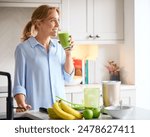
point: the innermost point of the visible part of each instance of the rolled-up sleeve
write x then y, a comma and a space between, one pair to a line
68, 77
20, 63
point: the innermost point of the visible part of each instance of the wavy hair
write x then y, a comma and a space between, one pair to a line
40, 14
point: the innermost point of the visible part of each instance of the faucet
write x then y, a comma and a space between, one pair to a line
9, 99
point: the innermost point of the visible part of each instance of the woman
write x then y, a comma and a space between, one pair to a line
42, 64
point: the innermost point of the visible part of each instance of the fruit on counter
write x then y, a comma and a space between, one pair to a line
52, 114
88, 114
73, 105
62, 114
70, 110
91, 113
96, 112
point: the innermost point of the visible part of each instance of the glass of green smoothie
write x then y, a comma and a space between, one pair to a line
64, 38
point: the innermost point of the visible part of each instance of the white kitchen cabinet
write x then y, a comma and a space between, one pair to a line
93, 20
128, 97
76, 97
69, 97
74, 93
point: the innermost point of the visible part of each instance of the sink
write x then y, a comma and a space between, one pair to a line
18, 118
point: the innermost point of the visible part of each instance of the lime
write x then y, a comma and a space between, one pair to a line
96, 112
88, 114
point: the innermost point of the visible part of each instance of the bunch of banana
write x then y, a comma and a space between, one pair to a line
70, 110
52, 114
64, 111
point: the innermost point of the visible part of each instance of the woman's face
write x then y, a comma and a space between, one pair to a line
50, 26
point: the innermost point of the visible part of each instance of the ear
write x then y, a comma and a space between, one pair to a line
38, 24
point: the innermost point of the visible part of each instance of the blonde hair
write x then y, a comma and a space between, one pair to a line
40, 14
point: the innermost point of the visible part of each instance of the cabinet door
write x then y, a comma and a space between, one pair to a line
78, 98
69, 97
108, 19
93, 20
128, 97
74, 18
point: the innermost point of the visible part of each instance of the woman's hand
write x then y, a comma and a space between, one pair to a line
71, 45
22, 106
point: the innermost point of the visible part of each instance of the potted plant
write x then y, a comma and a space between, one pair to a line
114, 70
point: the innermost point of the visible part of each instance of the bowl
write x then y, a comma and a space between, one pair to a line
118, 112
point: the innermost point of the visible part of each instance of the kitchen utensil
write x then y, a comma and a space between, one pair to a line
111, 93
116, 112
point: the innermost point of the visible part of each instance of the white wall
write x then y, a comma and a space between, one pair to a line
142, 52
127, 51
102, 54
106, 53
12, 22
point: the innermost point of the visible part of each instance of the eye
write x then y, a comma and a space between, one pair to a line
54, 21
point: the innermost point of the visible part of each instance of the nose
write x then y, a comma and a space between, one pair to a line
57, 23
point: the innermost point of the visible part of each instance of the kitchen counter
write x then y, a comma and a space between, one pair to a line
136, 114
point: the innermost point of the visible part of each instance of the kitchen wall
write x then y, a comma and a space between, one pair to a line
101, 54
12, 23
127, 51
142, 52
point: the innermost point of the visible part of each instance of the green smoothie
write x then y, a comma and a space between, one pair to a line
92, 97
64, 39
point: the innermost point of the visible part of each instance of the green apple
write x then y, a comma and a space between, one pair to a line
96, 112
88, 114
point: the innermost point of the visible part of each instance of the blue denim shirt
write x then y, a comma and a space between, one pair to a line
39, 74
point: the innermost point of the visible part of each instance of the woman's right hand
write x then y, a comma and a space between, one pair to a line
22, 106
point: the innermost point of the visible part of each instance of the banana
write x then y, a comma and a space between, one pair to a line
70, 110
62, 114
52, 114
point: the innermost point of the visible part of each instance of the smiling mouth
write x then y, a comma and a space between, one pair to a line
55, 30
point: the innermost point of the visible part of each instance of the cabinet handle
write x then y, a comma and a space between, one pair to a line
90, 36
97, 36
